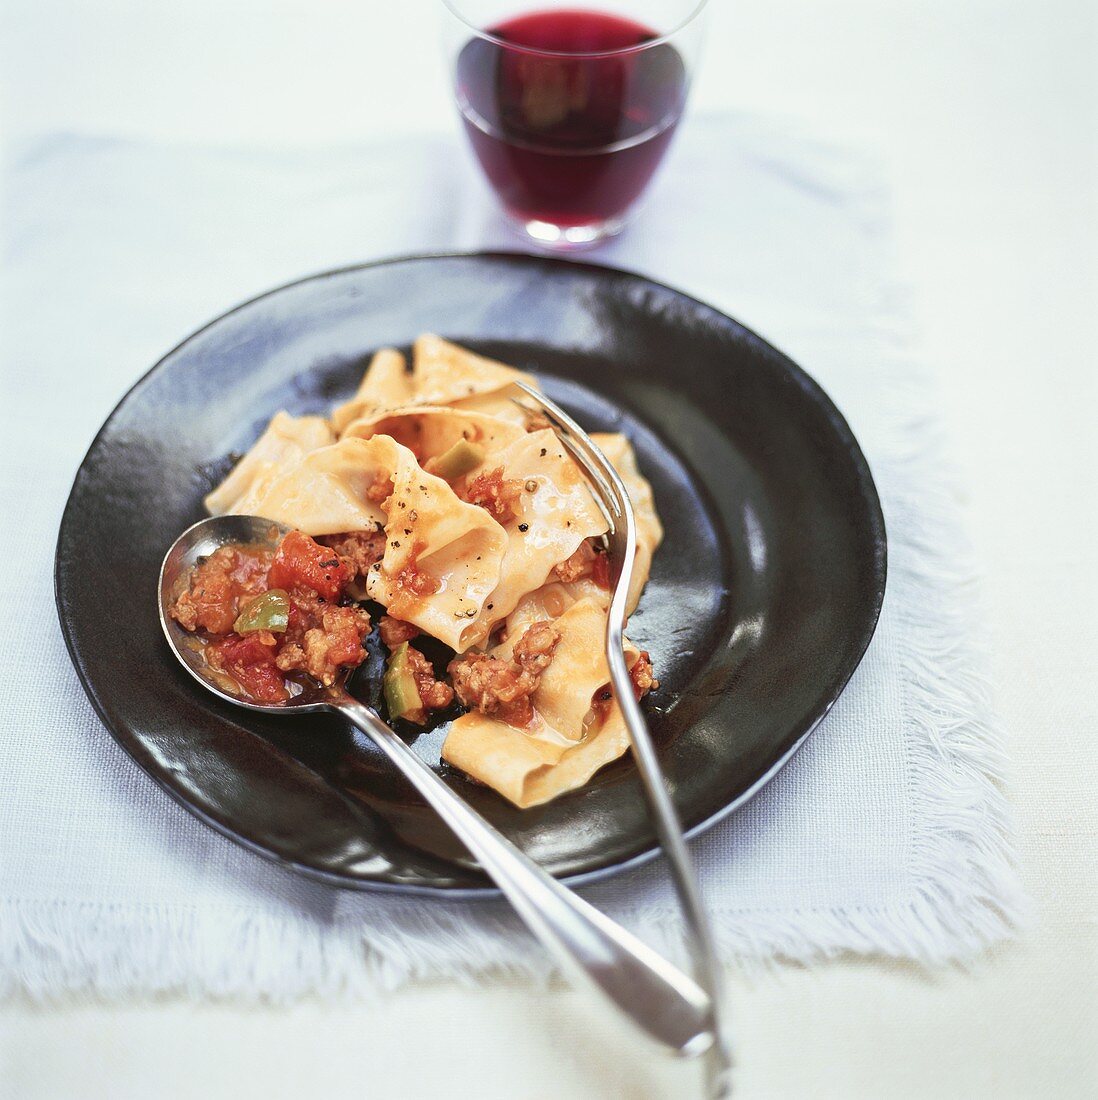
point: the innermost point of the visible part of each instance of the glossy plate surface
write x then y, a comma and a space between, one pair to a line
762, 600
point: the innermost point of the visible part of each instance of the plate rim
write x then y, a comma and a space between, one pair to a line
489, 892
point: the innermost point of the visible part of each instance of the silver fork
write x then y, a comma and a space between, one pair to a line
613, 499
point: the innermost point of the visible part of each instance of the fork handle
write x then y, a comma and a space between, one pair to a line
656, 996
718, 1061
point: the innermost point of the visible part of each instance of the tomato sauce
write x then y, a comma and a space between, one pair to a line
266, 617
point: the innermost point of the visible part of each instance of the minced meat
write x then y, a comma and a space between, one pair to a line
394, 631
433, 694
502, 688
496, 494
357, 549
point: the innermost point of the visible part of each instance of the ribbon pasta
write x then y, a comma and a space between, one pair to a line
473, 555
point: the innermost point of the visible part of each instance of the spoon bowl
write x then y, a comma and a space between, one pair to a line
662, 1001
188, 551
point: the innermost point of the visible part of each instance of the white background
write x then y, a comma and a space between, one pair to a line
986, 111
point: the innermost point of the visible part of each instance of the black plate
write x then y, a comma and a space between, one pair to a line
762, 600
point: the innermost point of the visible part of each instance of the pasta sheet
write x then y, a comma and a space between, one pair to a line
562, 748
451, 567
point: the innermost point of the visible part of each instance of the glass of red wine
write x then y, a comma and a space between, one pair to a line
570, 109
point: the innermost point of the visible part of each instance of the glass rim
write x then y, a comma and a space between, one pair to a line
488, 36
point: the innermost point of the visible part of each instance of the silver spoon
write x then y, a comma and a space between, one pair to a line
661, 1000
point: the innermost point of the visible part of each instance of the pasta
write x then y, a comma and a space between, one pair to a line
286, 440
569, 739
445, 374
429, 430
432, 493
385, 385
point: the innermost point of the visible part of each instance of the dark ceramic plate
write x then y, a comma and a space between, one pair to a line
762, 600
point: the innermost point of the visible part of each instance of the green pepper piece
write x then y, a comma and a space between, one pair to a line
399, 687
462, 457
271, 611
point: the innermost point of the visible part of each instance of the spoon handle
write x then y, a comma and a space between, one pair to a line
660, 999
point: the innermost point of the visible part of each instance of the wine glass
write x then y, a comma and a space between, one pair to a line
571, 110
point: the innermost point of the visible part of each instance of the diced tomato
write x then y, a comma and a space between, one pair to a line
301, 562
250, 660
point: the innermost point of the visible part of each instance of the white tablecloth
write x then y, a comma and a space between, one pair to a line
982, 110
887, 833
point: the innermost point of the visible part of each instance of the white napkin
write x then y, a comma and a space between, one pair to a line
887, 833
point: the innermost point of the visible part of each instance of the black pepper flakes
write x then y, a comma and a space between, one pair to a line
544, 452
524, 527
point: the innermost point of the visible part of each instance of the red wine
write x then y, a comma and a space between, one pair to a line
570, 137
